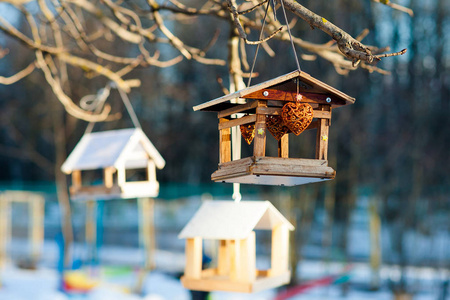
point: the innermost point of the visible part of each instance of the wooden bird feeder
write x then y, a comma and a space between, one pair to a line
290, 103
232, 224
116, 153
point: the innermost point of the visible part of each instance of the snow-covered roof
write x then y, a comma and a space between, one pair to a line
229, 220
113, 148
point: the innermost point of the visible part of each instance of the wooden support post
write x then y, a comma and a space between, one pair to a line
259, 142
76, 179
235, 266
5, 220
151, 171
91, 228
36, 227
280, 250
223, 260
193, 268
322, 135
108, 177
147, 230
146, 239
121, 176
224, 143
283, 146
247, 259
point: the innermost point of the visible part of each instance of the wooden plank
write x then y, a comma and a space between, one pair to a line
300, 171
95, 190
283, 146
237, 122
291, 96
276, 111
224, 143
322, 135
247, 259
237, 109
319, 114
273, 111
280, 250
237, 163
290, 161
271, 282
230, 171
216, 284
259, 142
223, 265
193, 268
219, 283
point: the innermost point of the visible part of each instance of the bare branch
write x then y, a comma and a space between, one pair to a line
19, 75
10, 30
396, 6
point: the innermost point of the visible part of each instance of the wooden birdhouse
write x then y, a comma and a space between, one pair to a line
287, 104
125, 160
233, 225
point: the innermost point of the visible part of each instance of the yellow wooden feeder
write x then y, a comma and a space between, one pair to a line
114, 152
283, 105
232, 224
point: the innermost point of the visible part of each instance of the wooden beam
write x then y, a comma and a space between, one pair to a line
322, 135
247, 259
280, 250
224, 143
237, 122
5, 222
36, 227
235, 266
283, 146
108, 176
223, 259
259, 142
76, 179
147, 230
151, 171
193, 268
278, 95
237, 109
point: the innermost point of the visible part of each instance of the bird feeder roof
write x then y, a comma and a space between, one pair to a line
284, 87
114, 148
228, 220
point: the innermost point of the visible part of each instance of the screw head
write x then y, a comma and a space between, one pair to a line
328, 99
266, 93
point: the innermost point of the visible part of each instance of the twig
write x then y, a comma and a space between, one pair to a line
19, 75
398, 7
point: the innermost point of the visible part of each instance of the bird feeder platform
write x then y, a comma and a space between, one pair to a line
287, 104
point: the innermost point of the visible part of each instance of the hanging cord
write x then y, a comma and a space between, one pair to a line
260, 38
290, 36
257, 47
95, 103
129, 108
